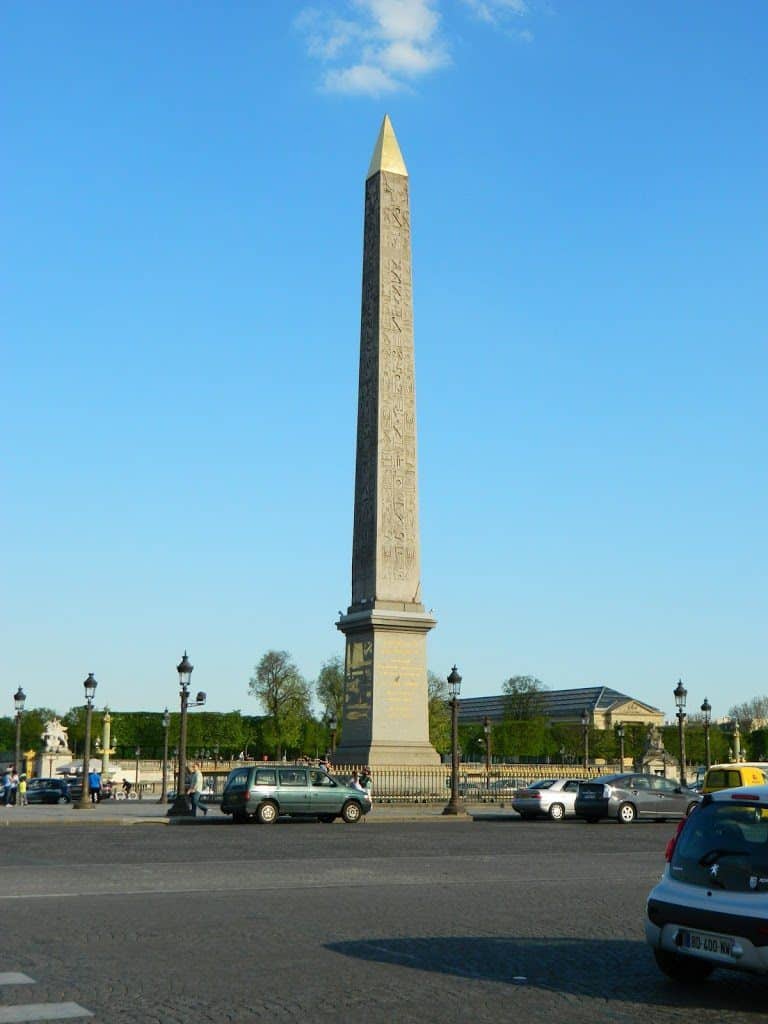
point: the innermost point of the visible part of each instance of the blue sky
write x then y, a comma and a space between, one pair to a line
182, 211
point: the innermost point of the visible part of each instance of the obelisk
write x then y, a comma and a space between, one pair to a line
385, 704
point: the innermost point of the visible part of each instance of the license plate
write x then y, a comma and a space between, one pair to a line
708, 944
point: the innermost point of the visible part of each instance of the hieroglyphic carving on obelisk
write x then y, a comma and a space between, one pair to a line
385, 711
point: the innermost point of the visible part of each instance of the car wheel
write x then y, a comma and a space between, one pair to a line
351, 812
691, 807
62, 800
682, 968
266, 813
239, 817
556, 812
627, 814
326, 818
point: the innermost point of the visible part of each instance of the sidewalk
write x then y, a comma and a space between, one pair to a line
146, 812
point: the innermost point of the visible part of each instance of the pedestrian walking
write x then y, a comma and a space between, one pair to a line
366, 780
195, 791
5, 788
14, 787
94, 786
354, 782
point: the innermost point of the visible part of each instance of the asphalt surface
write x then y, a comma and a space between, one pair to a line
423, 920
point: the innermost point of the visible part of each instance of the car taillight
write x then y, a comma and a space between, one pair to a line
670, 849
247, 795
745, 796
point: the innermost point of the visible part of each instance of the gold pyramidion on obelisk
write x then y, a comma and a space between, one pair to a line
385, 705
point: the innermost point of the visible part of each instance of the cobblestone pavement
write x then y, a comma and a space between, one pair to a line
410, 921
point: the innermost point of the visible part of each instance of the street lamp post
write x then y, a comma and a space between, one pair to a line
89, 686
620, 735
136, 773
680, 697
166, 720
706, 710
487, 733
180, 807
19, 699
585, 731
454, 805
333, 725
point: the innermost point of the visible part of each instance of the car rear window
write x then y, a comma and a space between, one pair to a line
723, 778
541, 784
724, 845
238, 779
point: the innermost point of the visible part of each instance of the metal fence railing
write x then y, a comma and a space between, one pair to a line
411, 784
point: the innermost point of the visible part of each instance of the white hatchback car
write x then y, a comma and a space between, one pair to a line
710, 908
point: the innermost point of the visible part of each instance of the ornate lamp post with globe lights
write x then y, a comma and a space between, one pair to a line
487, 734
89, 686
166, 720
454, 805
620, 737
680, 698
180, 807
19, 699
706, 710
585, 731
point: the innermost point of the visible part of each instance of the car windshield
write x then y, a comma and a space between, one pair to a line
724, 845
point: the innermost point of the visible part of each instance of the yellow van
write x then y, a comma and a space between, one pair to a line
730, 776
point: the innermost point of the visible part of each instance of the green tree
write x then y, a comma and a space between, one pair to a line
329, 687
439, 713
523, 698
284, 694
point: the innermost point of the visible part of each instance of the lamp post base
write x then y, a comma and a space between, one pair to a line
455, 807
179, 809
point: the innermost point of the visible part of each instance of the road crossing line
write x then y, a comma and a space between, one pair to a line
28, 1012
25, 1013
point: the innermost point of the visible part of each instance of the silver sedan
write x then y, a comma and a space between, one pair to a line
551, 798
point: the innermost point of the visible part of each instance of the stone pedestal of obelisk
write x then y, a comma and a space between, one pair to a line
385, 705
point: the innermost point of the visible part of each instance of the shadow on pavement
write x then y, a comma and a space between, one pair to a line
611, 969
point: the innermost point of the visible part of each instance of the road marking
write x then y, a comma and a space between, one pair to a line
42, 1011
362, 883
15, 978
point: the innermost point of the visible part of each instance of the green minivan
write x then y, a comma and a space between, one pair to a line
266, 792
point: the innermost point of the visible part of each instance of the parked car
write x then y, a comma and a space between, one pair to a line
552, 798
710, 907
266, 793
733, 775
477, 788
48, 791
630, 796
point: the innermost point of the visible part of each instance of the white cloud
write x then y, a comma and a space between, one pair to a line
379, 46
372, 47
493, 11
362, 78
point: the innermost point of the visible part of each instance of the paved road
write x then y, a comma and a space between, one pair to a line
421, 921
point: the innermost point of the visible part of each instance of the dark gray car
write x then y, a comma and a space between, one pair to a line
633, 795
